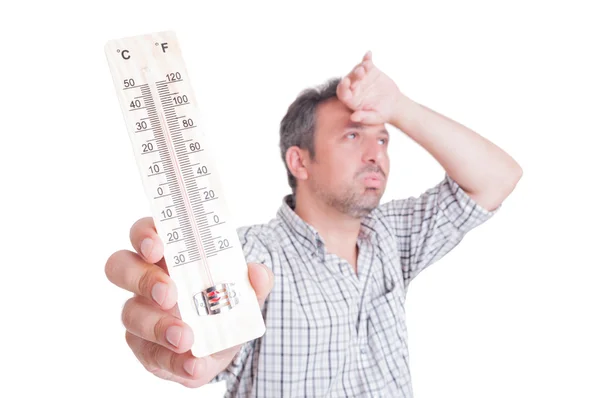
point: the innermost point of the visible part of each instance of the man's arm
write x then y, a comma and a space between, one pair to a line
479, 175
483, 170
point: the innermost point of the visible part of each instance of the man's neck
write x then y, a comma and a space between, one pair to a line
338, 230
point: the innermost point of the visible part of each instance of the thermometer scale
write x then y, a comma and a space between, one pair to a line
180, 177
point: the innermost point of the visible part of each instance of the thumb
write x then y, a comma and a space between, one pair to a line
365, 117
262, 280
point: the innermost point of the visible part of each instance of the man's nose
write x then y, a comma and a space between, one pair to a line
373, 151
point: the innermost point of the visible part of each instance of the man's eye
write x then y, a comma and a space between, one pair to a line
383, 141
351, 135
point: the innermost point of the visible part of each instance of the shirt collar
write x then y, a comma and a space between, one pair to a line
309, 236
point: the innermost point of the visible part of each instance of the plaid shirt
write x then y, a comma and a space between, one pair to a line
330, 331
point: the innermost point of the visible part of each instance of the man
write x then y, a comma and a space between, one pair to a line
332, 269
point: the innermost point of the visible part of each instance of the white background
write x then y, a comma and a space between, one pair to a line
512, 311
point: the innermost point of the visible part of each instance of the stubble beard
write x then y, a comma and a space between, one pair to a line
356, 202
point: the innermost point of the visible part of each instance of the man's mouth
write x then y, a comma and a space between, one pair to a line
373, 180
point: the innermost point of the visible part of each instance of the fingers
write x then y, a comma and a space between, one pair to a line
148, 322
146, 241
353, 77
365, 117
357, 74
183, 368
361, 70
343, 90
358, 116
349, 87
262, 280
367, 61
128, 271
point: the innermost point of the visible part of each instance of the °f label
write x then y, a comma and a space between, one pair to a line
180, 177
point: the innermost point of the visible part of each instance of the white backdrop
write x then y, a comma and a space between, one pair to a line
512, 311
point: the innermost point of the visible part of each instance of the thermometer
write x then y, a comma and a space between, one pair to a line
180, 177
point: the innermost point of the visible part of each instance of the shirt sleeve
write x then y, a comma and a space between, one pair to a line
431, 225
234, 376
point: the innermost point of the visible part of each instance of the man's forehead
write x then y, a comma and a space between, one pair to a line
334, 109
334, 115
350, 125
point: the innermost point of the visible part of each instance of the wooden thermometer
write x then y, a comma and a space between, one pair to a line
181, 180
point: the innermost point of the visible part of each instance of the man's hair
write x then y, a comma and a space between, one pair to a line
297, 128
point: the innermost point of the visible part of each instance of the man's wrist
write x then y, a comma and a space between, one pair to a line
406, 112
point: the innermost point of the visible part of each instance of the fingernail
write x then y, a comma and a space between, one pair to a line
146, 247
173, 335
159, 292
189, 366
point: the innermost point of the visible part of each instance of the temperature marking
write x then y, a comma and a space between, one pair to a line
202, 251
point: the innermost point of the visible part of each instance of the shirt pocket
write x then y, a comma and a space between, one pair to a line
386, 310
386, 326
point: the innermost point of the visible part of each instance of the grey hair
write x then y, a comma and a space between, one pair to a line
297, 128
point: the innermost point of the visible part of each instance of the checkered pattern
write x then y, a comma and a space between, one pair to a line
332, 332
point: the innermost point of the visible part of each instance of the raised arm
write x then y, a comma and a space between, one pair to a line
483, 170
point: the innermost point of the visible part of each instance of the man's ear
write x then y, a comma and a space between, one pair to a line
296, 160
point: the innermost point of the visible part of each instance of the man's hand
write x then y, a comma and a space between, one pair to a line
370, 93
155, 332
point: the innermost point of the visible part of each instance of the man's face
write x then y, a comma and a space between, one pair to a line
351, 163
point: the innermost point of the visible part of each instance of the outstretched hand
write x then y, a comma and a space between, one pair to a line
154, 330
